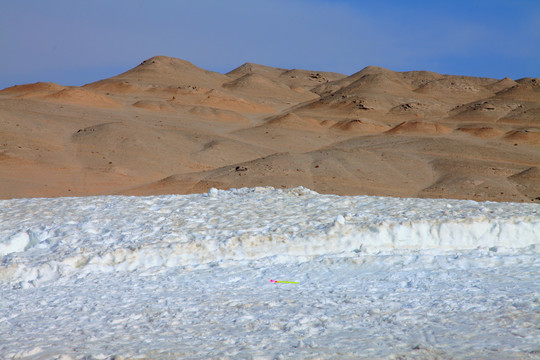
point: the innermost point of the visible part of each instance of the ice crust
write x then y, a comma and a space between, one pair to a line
188, 277
44, 239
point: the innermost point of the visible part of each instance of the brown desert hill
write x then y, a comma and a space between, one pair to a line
83, 97
293, 121
524, 136
255, 85
34, 89
308, 80
522, 116
501, 85
168, 126
373, 92
341, 83
117, 87
417, 79
153, 105
484, 110
381, 94
337, 171
527, 181
62, 94
420, 127
251, 68
224, 100
485, 132
167, 71
526, 89
217, 115
294, 78
456, 89
378, 80
360, 126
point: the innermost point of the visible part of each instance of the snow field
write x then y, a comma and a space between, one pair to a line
43, 239
171, 277
413, 306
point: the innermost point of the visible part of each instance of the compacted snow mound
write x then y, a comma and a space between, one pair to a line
44, 239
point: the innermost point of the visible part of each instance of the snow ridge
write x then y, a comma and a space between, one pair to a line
46, 239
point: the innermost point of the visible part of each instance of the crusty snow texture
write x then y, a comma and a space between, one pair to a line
171, 277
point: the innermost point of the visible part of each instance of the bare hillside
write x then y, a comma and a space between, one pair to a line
168, 126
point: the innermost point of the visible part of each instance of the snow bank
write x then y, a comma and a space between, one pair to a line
44, 239
187, 277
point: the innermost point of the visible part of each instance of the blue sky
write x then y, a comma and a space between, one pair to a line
73, 42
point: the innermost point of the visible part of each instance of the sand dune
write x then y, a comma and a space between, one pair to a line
484, 110
361, 126
168, 126
484, 132
215, 114
527, 182
250, 68
294, 121
218, 99
225, 152
153, 105
525, 136
420, 127
35, 89
255, 85
304, 79
527, 89
457, 89
501, 85
82, 97
114, 86
522, 116
162, 70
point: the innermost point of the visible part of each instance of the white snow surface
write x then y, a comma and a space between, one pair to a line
188, 276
